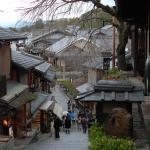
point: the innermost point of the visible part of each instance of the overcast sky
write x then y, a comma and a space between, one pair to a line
10, 16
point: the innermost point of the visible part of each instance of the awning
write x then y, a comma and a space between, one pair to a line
43, 67
48, 105
86, 87
58, 110
50, 75
15, 94
36, 104
20, 99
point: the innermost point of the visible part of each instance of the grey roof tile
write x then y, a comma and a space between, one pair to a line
10, 35
59, 46
85, 87
43, 67
41, 98
50, 75
24, 60
13, 89
119, 91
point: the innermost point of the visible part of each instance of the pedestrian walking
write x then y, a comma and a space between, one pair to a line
57, 125
67, 124
79, 123
63, 121
84, 123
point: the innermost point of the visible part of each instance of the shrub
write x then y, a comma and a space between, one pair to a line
100, 141
114, 74
70, 87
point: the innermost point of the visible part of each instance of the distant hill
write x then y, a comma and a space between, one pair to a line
92, 19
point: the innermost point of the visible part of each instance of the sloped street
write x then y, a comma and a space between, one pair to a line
76, 140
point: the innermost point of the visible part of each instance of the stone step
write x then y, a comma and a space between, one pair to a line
139, 134
141, 145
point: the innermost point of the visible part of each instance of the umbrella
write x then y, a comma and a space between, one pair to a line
65, 113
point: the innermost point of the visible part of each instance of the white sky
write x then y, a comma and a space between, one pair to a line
9, 14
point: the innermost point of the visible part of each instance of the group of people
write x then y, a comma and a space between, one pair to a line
67, 120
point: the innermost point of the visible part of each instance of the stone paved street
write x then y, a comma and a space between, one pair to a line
74, 141
60, 97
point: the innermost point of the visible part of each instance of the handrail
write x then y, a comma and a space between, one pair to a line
144, 122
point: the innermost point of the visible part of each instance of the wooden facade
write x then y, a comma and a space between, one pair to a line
5, 59
109, 94
139, 19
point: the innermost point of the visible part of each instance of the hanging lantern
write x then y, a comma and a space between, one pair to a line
5, 122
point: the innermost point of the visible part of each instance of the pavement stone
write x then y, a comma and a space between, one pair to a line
74, 141
60, 97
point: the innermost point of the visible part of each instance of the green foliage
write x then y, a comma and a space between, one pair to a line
56, 68
38, 24
95, 19
70, 87
85, 22
100, 141
114, 74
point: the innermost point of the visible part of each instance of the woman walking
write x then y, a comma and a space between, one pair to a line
67, 124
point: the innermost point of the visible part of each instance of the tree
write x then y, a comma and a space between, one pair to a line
53, 7
38, 24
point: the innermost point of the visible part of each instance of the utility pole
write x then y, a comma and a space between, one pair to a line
114, 43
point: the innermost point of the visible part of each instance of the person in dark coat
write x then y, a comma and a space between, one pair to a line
57, 125
84, 123
67, 124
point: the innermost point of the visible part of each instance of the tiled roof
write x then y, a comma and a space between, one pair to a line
50, 75
25, 60
41, 98
13, 90
136, 96
62, 44
10, 35
119, 91
48, 104
48, 33
85, 87
43, 67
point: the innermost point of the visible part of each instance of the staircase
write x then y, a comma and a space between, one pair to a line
36, 121
139, 130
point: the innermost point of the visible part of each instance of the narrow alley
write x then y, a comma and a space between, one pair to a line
76, 140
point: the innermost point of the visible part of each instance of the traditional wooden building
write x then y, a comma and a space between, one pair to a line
70, 53
44, 40
12, 93
109, 94
41, 112
33, 71
139, 19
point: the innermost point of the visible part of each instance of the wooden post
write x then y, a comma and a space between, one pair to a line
99, 111
64, 72
114, 47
